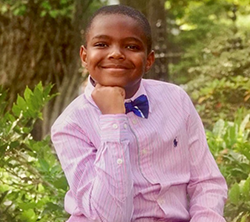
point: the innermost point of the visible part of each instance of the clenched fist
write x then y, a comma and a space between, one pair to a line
109, 99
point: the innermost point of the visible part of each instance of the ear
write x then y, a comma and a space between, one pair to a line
150, 60
83, 56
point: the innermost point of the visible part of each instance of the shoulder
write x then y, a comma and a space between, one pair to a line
74, 112
156, 88
168, 96
171, 99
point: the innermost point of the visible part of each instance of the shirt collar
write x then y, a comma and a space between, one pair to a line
89, 89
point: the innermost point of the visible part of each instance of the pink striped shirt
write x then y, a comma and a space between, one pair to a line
123, 168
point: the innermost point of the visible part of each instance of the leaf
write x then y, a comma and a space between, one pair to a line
14, 144
43, 13
61, 183
3, 193
19, 106
54, 13
219, 127
234, 194
244, 123
51, 207
29, 215
44, 165
2, 150
246, 188
63, 1
46, 5
27, 206
20, 10
38, 95
47, 91
3, 189
28, 94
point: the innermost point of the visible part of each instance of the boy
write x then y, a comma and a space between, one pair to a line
145, 160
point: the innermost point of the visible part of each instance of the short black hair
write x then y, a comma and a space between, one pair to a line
128, 11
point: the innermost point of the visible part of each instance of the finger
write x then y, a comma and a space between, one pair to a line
121, 91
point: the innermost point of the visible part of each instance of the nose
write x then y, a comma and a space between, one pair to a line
116, 53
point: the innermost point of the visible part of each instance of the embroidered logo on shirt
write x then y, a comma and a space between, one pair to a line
175, 142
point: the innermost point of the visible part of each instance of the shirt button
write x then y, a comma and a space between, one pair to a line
144, 151
125, 126
161, 201
119, 161
134, 121
115, 126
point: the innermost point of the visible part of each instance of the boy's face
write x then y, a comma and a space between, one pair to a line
116, 52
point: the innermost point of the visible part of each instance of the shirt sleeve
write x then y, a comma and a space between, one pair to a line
207, 188
100, 178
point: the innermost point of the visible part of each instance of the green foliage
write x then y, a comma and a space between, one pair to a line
32, 184
63, 8
215, 66
230, 144
201, 28
50, 8
221, 84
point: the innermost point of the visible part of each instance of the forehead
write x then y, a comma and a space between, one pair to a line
116, 25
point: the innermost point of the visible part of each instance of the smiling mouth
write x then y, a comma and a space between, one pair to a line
115, 67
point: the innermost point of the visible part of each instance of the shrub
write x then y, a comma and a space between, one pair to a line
32, 184
229, 143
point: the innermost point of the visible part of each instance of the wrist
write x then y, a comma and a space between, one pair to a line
115, 110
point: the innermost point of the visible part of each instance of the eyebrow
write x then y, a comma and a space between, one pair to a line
101, 37
109, 37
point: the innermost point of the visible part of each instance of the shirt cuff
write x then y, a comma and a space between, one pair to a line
114, 127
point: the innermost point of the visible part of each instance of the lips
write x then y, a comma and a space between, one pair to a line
115, 66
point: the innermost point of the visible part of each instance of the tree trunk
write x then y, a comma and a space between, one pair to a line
38, 48
157, 16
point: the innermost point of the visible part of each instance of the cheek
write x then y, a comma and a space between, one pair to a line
141, 61
142, 64
92, 59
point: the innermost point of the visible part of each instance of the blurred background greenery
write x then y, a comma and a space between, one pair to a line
204, 46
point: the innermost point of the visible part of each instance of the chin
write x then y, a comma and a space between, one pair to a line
122, 85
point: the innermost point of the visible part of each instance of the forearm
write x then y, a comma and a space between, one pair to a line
207, 198
112, 189
99, 178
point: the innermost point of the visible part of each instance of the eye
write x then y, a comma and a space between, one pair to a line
101, 45
133, 47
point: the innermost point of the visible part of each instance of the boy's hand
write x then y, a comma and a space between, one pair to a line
109, 99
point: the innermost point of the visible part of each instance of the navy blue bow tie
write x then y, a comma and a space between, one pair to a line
139, 106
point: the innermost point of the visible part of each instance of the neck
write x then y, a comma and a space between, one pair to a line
131, 91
